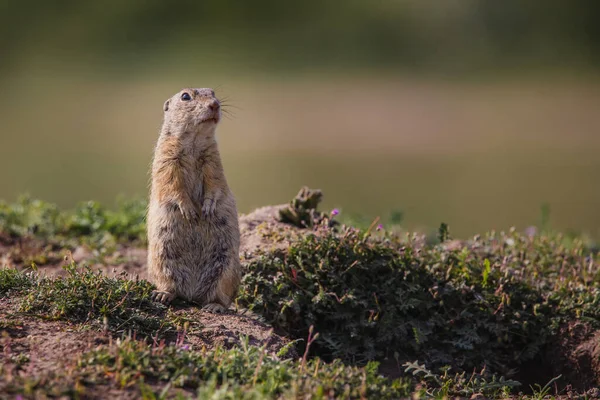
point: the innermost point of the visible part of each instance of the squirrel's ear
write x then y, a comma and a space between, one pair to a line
166, 106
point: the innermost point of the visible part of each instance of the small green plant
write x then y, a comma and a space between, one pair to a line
459, 384
12, 280
302, 210
486, 272
540, 392
443, 232
84, 296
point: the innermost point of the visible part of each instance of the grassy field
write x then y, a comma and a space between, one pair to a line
478, 155
328, 312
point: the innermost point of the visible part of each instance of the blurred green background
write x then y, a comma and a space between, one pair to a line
475, 113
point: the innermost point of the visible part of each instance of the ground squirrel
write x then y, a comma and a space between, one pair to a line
193, 233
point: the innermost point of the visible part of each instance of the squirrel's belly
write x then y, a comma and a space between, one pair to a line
193, 254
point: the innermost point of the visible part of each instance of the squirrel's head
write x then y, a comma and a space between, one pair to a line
191, 109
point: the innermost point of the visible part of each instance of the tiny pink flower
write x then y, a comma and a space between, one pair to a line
379, 227
335, 212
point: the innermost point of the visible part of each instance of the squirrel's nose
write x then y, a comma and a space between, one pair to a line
213, 105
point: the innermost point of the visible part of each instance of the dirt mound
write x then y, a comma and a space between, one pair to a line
575, 354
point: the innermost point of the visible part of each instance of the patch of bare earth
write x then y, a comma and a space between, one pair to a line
38, 349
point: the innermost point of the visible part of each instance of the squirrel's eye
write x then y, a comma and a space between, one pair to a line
186, 97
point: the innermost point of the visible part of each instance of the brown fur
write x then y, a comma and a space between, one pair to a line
193, 232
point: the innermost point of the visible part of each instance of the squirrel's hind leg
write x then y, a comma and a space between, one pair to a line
226, 289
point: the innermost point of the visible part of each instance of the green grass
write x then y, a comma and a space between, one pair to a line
242, 372
86, 297
245, 372
249, 367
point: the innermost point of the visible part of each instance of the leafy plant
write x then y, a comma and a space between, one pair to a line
496, 301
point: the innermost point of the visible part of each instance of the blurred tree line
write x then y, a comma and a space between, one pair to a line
274, 34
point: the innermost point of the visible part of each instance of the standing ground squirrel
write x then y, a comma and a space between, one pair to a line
193, 233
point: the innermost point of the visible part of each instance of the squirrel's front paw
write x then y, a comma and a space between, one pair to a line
209, 207
189, 212
162, 297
